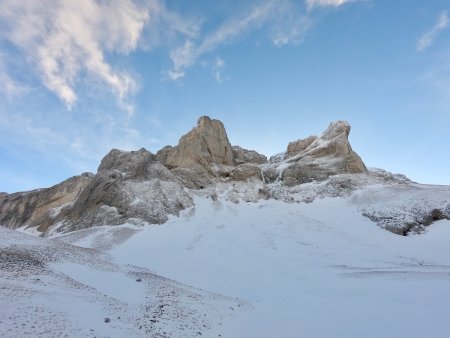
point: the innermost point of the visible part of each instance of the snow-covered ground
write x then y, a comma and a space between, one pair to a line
231, 268
52, 289
316, 269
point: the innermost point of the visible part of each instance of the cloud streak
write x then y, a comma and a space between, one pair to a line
310, 4
217, 69
65, 39
285, 24
428, 38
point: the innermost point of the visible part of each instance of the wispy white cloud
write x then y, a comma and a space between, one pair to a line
285, 24
65, 39
310, 4
289, 25
185, 55
182, 57
165, 26
217, 69
252, 19
428, 38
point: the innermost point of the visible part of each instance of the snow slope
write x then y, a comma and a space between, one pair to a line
316, 269
52, 289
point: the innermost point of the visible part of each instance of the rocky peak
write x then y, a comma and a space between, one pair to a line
336, 129
316, 158
205, 144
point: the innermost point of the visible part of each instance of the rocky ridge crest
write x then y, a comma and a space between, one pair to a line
139, 187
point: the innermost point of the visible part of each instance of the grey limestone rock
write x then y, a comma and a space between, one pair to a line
129, 187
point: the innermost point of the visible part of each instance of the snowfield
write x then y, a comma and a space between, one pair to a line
52, 289
231, 268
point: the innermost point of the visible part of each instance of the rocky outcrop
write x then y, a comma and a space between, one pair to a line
243, 156
37, 207
139, 187
203, 146
316, 158
205, 154
300, 145
130, 187
137, 165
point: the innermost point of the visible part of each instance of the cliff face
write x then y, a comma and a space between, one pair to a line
204, 145
38, 207
139, 187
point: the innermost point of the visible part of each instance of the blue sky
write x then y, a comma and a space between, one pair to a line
79, 78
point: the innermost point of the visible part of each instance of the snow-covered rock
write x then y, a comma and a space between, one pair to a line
316, 158
139, 187
130, 187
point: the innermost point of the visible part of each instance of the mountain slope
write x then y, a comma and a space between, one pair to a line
317, 269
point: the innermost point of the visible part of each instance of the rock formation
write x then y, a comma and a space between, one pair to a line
129, 187
316, 158
37, 207
205, 154
298, 146
204, 145
243, 156
139, 187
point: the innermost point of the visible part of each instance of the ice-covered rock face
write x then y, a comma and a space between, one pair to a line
316, 158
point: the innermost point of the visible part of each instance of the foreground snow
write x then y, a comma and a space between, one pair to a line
53, 289
316, 269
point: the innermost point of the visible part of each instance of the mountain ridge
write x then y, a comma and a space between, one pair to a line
139, 187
